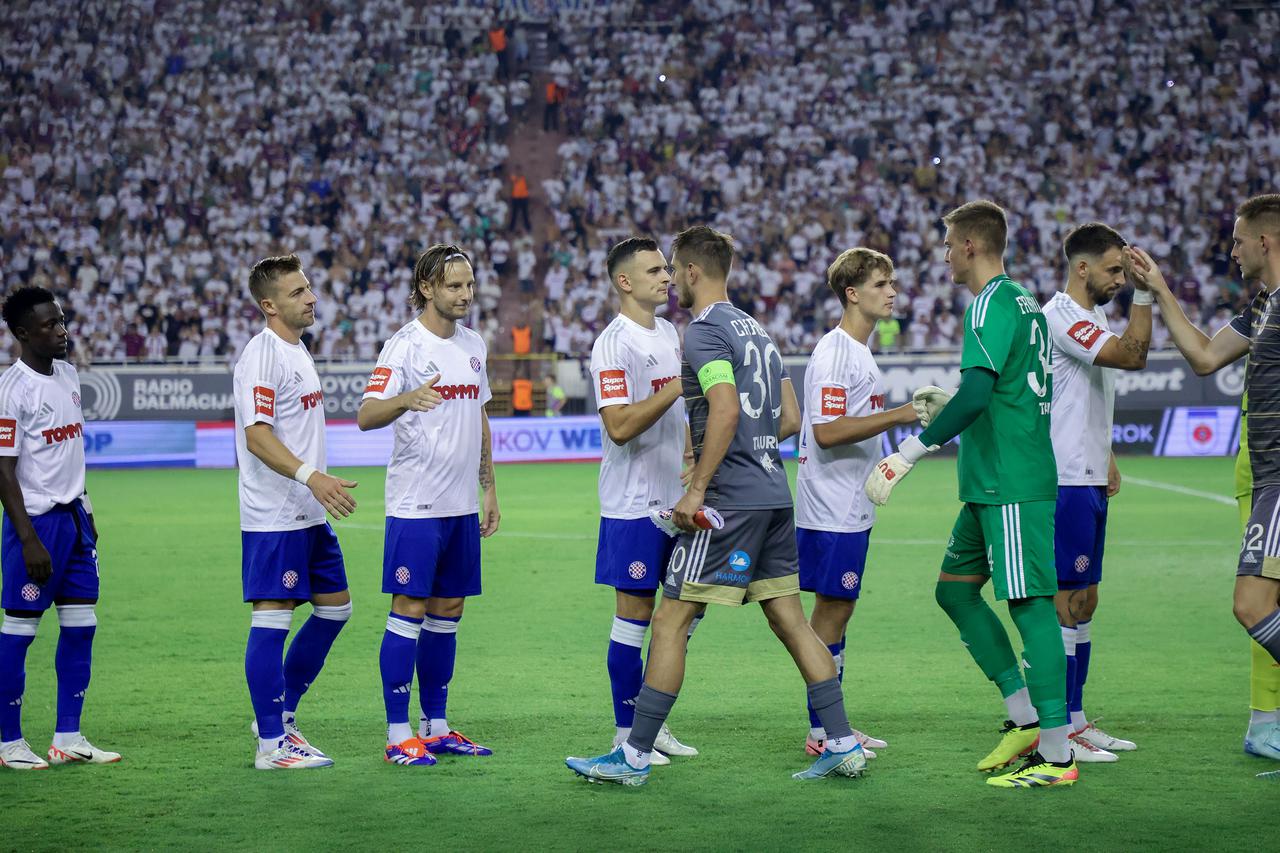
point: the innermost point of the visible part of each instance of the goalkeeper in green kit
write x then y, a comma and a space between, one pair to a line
1009, 485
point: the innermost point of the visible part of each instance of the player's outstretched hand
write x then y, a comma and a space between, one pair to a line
39, 563
888, 472
489, 515
927, 402
686, 508
1145, 273
332, 493
424, 398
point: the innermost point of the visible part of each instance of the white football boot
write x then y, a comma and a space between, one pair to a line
1102, 740
1086, 753
296, 739
80, 751
17, 755
667, 744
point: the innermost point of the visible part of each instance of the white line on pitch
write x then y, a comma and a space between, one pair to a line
1182, 490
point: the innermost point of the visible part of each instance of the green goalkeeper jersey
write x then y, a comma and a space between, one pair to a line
1006, 455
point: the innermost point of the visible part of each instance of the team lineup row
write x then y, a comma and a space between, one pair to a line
694, 496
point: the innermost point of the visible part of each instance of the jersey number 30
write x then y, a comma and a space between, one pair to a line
762, 380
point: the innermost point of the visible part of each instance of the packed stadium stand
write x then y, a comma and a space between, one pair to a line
152, 151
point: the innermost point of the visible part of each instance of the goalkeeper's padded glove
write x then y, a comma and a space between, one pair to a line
890, 470
927, 402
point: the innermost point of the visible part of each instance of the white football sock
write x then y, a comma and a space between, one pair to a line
439, 727
1021, 711
1078, 721
841, 744
637, 759
398, 732
817, 733
1262, 718
1053, 744
61, 739
622, 734
267, 744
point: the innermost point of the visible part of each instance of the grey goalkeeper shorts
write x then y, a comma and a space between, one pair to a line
752, 558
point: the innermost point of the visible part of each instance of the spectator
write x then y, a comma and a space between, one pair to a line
519, 201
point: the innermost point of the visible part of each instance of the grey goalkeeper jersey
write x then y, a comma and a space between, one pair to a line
724, 343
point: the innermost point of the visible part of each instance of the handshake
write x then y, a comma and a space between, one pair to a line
927, 402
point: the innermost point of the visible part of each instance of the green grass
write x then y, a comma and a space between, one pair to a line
1170, 671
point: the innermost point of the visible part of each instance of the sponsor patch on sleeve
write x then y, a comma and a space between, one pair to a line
264, 401
833, 401
613, 384
1084, 333
8, 432
378, 380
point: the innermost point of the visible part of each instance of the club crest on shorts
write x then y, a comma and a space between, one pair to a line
739, 561
475, 364
637, 570
289, 579
30, 592
849, 580
1082, 563
402, 575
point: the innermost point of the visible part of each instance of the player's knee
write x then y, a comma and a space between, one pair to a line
956, 595
1249, 611
333, 612
414, 608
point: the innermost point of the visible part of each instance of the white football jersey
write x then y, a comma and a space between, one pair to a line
842, 379
434, 469
1084, 394
41, 423
276, 384
630, 363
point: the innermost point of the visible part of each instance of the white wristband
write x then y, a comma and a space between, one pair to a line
913, 449
1143, 297
304, 472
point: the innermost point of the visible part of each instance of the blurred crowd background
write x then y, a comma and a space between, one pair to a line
152, 151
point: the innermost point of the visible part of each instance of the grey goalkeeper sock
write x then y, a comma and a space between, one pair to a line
652, 709
1267, 634
827, 701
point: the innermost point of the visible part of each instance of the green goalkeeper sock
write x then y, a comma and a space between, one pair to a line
1046, 662
981, 632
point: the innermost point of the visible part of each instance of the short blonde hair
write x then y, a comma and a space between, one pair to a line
853, 268
982, 222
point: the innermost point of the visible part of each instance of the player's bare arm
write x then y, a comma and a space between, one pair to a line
1205, 355
331, 491
375, 413
850, 429
489, 514
34, 554
722, 423
1129, 351
629, 420
789, 423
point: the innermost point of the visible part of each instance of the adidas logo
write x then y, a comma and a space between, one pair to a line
432, 370
651, 361
46, 409
1250, 558
403, 688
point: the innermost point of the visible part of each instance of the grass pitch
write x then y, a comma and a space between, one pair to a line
1170, 671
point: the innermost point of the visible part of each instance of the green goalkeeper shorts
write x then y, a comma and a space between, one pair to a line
1010, 543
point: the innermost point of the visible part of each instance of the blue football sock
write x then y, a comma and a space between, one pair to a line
1084, 648
308, 650
1071, 645
73, 662
837, 654
626, 667
436, 654
264, 669
16, 636
399, 645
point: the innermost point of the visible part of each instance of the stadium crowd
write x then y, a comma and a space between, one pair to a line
153, 150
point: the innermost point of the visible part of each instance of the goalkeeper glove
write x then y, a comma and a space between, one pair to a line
890, 470
927, 402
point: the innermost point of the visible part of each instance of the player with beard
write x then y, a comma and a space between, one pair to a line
1086, 356
432, 383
